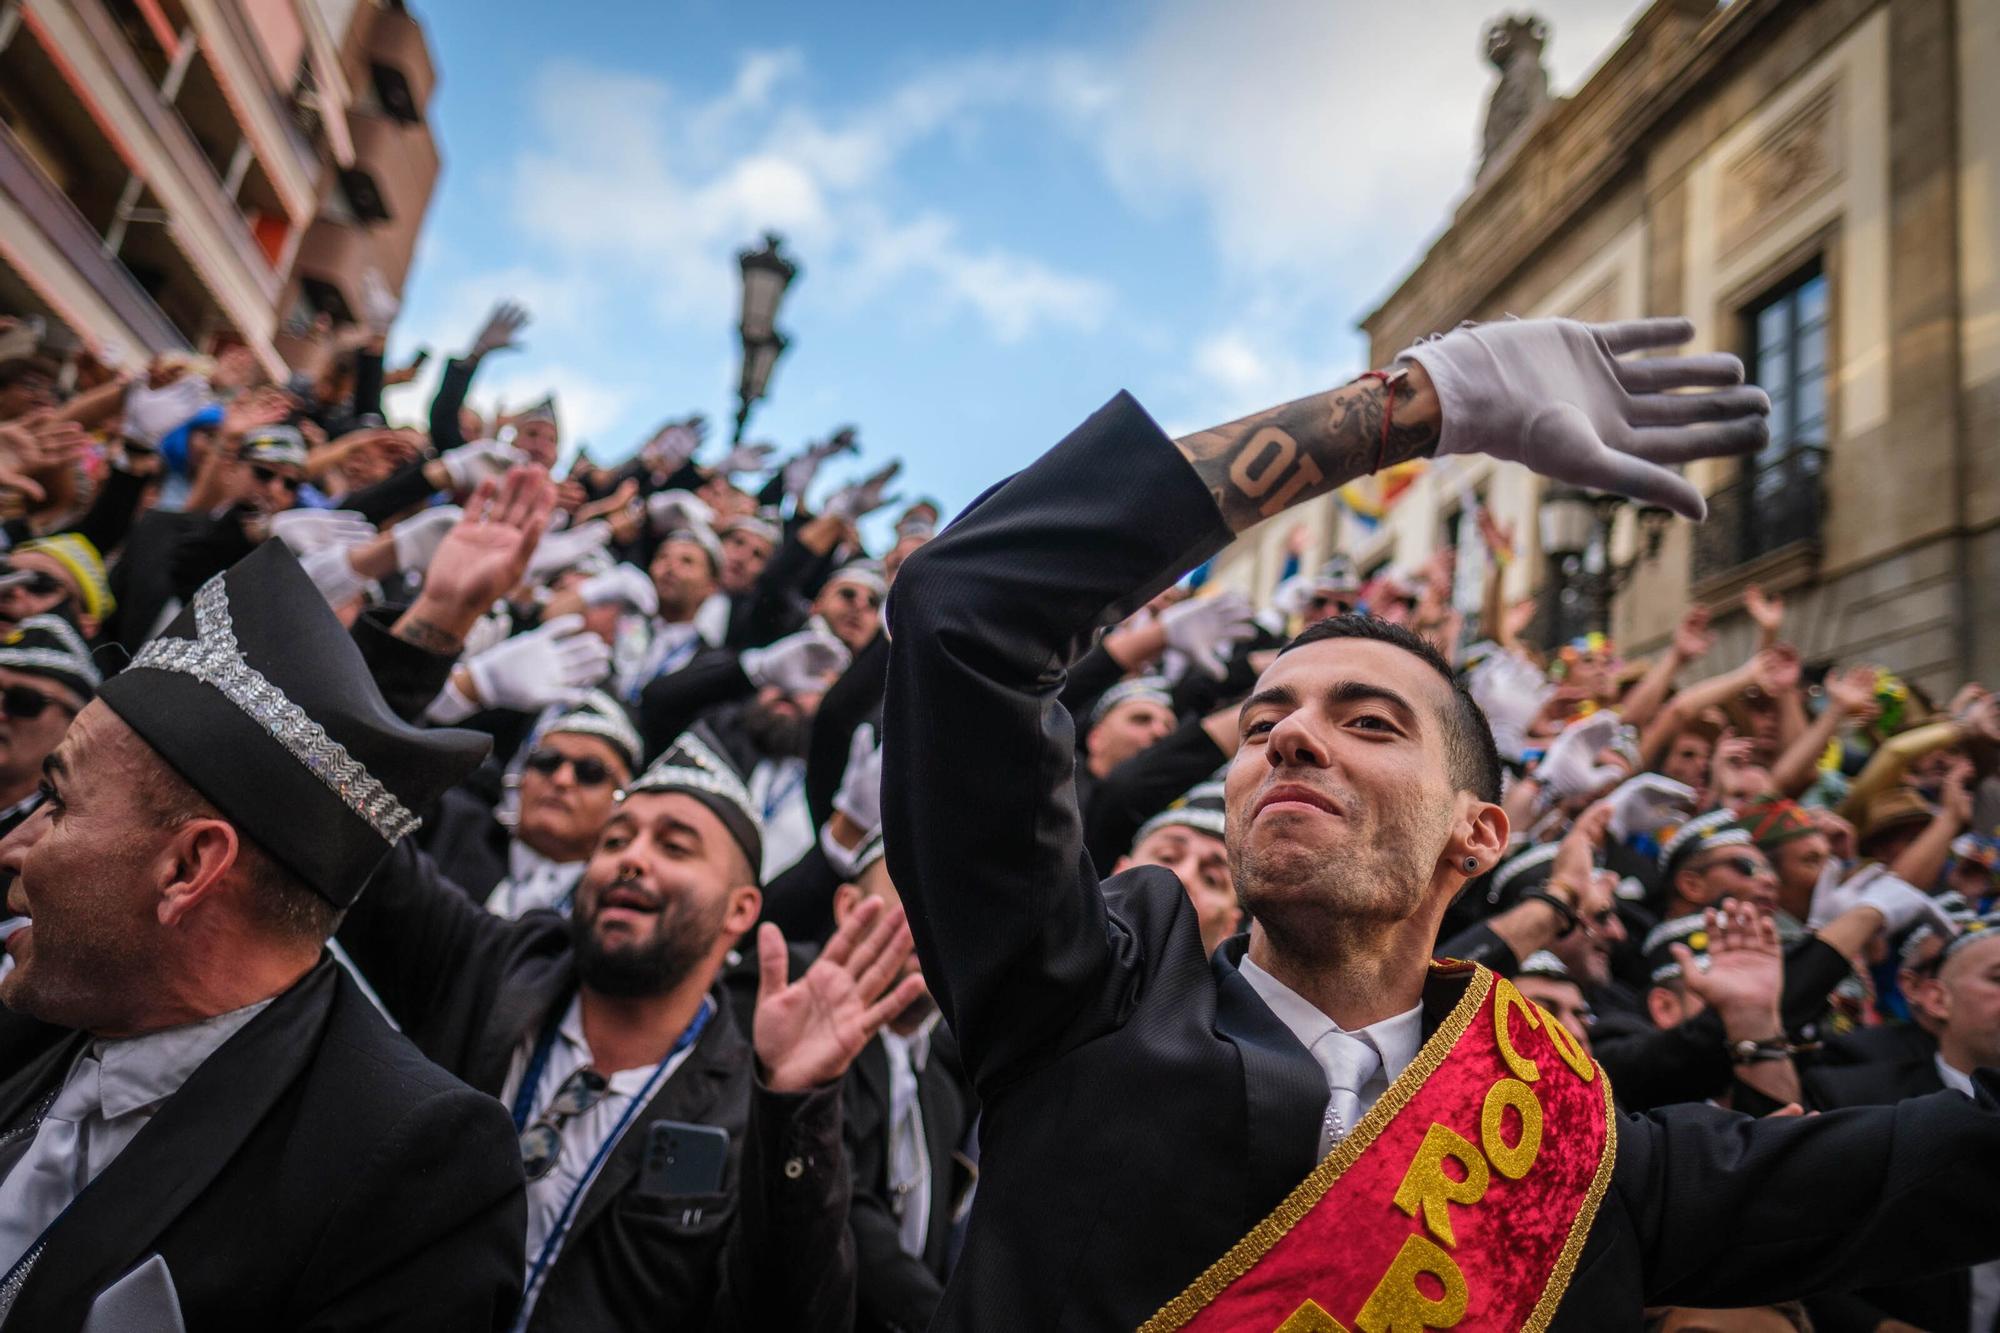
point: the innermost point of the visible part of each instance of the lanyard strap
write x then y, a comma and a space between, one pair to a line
554, 1240
777, 795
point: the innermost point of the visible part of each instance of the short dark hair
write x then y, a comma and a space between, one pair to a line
1794, 1313
1468, 741
281, 902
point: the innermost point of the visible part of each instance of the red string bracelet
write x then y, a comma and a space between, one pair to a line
1389, 379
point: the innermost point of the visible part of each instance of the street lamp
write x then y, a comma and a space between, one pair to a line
766, 275
1576, 528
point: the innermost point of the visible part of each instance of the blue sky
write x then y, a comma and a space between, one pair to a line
1004, 213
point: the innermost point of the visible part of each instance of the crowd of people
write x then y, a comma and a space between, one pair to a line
448, 888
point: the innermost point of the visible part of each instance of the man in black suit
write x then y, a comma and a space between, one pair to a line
1144, 1109
909, 1118
1955, 995
212, 1128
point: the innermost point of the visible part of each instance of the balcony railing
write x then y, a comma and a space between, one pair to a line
1773, 505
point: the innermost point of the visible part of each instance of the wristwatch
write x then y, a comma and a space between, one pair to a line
1748, 1052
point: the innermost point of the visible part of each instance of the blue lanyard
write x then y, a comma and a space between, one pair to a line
777, 796
525, 1098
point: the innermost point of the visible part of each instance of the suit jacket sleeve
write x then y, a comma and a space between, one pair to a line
408, 676
984, 838
790, 1259
452, 387
671, 703
853, 699
442, 1201
1732, 1211
405, 488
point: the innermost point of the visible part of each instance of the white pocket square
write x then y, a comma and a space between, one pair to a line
143, 1301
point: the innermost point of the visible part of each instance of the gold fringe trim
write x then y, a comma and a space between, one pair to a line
1267, 1233
1579, 1228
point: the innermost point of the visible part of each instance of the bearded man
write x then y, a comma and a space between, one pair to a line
1259, 1140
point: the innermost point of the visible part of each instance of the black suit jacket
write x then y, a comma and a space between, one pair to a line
770, 1250
898, 1291
1141, 1108
315, 1172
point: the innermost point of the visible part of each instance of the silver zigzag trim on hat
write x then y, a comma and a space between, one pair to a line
215, 659
697, 768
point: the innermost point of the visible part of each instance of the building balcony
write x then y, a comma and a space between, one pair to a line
61, 255
400, 63
1770, 517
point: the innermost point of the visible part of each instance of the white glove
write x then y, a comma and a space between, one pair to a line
418, 537
152, 413
623, 584
378, 301
470, 464
1206, 628
307, 530
747, 458
559, 550
798, 663
863, 497
860, 794
671, 446
678, 509
1510, 690
1648, 803
799, 473
554, 664
488, 630
334, 576
1570, 767
1901, 903
497, 333
1553, 395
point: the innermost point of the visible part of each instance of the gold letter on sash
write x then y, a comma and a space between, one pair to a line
1513, 1162
1311, 1318
1567, 1046
1506, 999
1427, 1188
1398, 1306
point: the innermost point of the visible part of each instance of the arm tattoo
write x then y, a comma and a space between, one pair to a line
418, 632
1266, 463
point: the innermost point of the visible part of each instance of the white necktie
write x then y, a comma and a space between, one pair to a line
1350, 1061
909, 1160
54, 1170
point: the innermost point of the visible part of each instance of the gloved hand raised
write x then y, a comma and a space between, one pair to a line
1552, 394
307, 530
671, 510
556, 663
470, 464
852, 503
560, 550
860, 794
801, 663
498, 332
1206, 628
1570, 767
1648, 803
626, 585
418, 537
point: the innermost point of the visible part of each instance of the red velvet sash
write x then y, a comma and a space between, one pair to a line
1460, 1201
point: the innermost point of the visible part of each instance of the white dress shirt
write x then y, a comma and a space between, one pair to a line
650, 648
1380, 1051
113, 1089
582, 1135
1986, 1276
533, 881
778, 786
909, 1155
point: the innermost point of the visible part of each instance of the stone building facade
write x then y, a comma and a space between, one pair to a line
1817, 184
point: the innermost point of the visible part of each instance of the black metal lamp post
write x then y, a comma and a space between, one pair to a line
1576, 527
766, 275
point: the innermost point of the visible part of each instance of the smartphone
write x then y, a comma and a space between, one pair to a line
683, 1159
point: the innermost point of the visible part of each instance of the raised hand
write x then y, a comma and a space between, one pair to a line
1648, 803
1554, 395
1766, 610
809, 1031
1206, 628
470, 464
1692, 637
673, 510
1777, 669
307, 530
1570, 767
623, 585
1853, 692
746, 458
418, 537
1498, 536
481, 558
1745, 972
498, 333
860, 794
801, 663
852, 503
560, 550
554, 663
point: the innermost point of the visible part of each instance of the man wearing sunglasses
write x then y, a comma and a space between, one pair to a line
569, 785
63, 574
851, 603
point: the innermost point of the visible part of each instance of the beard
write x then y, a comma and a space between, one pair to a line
683, 933
777, 735
1304, 894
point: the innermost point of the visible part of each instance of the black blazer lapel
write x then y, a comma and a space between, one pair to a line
1284, 1087
181, 1150
690, 1095
520, 1009
36, 1079
943, 1111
